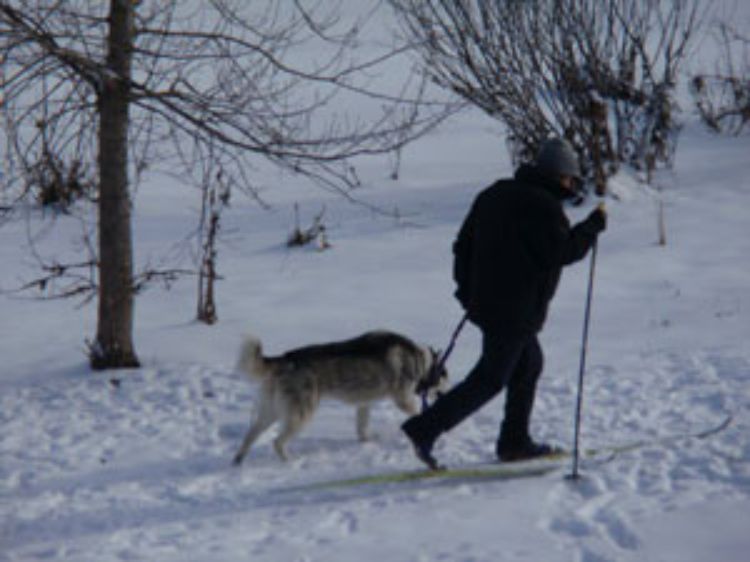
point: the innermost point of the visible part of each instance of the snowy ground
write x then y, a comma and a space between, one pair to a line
141, 471
92, 470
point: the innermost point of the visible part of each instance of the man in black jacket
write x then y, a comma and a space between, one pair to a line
509, 254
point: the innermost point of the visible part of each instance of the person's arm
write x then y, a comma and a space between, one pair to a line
551, 242
582, 236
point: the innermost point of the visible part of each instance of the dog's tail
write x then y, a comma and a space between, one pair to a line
251, 361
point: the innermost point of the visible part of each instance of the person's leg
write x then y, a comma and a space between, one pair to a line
514, 441
482, 384
520, 395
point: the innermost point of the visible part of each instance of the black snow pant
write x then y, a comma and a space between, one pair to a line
514, 364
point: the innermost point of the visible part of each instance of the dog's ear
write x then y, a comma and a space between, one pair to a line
436, 353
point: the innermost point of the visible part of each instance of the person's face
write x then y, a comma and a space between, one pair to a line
568, 183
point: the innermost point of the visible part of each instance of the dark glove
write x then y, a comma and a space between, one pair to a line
597, 219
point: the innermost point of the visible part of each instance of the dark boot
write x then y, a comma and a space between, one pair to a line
528, 449
422, 442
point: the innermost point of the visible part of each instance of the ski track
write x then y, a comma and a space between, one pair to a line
72, 494
595, 517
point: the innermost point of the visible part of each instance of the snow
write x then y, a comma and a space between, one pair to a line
136, 465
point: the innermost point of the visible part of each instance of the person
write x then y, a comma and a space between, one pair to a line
508, 258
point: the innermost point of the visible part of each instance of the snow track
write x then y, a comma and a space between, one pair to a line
603, 517
100, 471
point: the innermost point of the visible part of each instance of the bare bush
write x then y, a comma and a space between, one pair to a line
57, 184
601, 73
723, 96
314, 234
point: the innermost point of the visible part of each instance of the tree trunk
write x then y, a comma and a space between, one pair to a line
207, 274
114, 340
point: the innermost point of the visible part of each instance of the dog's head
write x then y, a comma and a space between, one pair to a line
435, 380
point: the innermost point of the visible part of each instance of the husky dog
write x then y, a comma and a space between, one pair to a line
359, 371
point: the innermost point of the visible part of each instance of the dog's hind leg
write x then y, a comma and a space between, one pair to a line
264, 419
363, 420
291, 426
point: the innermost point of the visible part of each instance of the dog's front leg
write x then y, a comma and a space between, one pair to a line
406, 403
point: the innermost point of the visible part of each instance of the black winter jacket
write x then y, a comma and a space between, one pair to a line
510, 251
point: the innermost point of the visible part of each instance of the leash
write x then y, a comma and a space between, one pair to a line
434, 374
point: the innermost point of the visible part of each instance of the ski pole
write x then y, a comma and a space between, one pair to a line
579, 401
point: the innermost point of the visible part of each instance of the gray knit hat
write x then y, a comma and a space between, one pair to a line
556, 157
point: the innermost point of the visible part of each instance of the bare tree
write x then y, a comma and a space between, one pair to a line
599, 72
217, 190
137, 85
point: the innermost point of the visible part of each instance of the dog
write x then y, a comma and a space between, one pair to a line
359, 371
